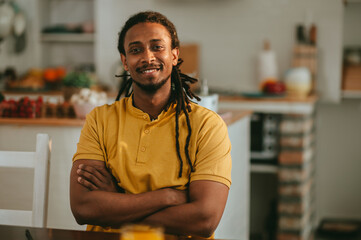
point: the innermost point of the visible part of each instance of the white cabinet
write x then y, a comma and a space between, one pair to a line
235, 220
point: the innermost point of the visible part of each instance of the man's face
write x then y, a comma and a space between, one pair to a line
149, 56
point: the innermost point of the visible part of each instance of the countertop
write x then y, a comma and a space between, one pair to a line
235, 112
285, 99
229, 117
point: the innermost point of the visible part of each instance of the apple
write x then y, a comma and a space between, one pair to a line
276, 87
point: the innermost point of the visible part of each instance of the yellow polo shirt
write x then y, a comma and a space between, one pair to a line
142, 155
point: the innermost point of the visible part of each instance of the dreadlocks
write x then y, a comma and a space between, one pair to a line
181, 92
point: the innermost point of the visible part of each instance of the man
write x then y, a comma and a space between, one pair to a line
129, 165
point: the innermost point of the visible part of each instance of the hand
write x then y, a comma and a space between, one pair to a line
96, 178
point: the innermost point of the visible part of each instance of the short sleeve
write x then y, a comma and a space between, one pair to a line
89, 146
213, 158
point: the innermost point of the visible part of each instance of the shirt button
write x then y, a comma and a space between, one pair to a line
145, 117
142, 149
146, 131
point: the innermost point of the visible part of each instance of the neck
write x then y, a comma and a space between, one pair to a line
153, 103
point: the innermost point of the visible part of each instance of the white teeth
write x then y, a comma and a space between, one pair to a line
150, 70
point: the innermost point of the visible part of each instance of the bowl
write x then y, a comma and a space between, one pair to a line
82, 109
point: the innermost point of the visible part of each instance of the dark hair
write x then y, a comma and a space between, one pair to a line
181, 92
152, 17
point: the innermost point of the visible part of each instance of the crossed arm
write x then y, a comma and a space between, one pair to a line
95, 199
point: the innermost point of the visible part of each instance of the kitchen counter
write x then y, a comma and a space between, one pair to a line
229, 117
43, 121
283, 105
309, 99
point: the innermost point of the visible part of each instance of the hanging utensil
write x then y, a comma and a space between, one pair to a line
20, 32
7, 15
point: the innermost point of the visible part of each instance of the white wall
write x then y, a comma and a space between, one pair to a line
352, 23
338, 160
230, 34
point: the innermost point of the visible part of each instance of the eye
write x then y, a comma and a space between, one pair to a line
134, 50
158, 47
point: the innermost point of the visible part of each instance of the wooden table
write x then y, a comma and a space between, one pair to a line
18, 233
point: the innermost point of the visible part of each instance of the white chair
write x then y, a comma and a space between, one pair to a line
38, 161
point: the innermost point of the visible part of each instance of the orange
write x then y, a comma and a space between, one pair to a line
61, 72
50, 75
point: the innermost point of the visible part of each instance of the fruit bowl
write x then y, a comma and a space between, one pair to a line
82, 109
86, 100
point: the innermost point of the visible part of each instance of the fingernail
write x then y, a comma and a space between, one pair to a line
81, 165
78, 171
79, 179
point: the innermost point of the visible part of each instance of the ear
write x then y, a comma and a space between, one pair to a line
124, 61
175, 54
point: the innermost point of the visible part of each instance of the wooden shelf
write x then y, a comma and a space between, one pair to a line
351, 94
263, 168
68, 37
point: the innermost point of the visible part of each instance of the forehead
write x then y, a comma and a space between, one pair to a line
144, 32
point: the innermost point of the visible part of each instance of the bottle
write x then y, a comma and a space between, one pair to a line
267, 65
313, 34
300, 34
204, 87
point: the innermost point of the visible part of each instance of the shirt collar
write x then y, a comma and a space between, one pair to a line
140, 114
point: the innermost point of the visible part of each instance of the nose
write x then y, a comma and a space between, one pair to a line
148, 56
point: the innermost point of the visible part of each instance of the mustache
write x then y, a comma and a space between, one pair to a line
149, 65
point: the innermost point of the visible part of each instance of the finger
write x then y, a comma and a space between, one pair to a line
102, 173
90, 186
89, 177
92, 170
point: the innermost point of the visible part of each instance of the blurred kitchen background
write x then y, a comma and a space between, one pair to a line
58, 41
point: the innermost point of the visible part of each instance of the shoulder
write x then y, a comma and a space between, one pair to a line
203, 115
106, 111
205, 121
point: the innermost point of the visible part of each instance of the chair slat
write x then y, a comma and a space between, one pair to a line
39, 161
15, 217
17, 159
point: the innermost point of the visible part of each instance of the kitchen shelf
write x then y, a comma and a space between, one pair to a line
263, 168
68, 37
351, 94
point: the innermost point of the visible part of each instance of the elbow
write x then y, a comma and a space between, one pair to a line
81, 214
206, 230
207, 226
79, 217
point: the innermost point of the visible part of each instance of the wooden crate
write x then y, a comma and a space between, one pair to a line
351, 77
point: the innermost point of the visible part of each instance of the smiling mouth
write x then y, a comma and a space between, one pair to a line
148, 69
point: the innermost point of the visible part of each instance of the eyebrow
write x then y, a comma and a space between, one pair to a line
138, 42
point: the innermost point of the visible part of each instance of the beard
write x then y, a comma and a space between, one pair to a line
152, 87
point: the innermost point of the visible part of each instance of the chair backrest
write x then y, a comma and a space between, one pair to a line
39, 162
